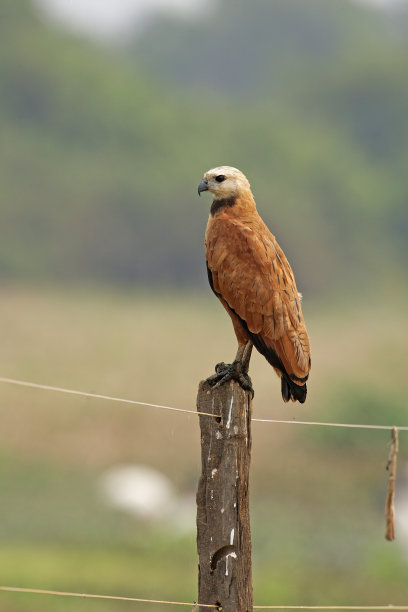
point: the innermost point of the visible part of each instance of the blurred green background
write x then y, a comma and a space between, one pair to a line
102, 284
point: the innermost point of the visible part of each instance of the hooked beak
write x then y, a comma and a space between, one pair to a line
203, 186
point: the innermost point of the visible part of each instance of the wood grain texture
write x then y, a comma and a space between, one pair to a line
223, 528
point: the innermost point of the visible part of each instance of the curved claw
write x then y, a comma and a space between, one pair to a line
231, 371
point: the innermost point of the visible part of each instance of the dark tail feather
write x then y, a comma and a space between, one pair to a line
291, 390
285, 389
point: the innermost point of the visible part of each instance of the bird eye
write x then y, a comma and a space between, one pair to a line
220, 178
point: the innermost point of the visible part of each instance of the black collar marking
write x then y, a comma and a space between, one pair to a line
217, 204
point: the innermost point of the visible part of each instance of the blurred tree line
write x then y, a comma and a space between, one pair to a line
103, 146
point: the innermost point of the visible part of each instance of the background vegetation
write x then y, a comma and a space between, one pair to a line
105, 147
103, 289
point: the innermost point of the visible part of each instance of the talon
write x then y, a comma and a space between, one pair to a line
231, 371
224, 379
220, 367
246, 383
221, 370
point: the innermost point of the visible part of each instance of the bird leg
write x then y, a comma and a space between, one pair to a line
247, 356
237, 370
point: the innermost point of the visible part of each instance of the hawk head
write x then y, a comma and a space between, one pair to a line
224, 182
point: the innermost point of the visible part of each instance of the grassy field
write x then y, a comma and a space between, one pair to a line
317, 494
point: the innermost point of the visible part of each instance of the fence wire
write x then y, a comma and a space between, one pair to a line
24, 383
192, 604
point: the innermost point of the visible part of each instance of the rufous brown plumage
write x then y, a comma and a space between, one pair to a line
252, 278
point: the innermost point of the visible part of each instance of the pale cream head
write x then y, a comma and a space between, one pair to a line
224, 182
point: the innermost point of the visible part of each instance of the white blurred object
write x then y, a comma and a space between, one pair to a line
113, 18
146, 493
106, 19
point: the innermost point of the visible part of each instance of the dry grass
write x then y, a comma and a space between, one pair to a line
156, 347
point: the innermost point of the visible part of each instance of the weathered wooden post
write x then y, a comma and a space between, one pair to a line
223, 528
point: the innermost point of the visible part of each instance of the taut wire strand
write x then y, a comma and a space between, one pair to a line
23, 383
327, 424
91, 596
388, 607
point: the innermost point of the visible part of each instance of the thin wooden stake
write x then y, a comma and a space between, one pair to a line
223, 529
389, 500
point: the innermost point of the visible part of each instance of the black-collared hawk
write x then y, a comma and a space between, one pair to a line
253, 280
